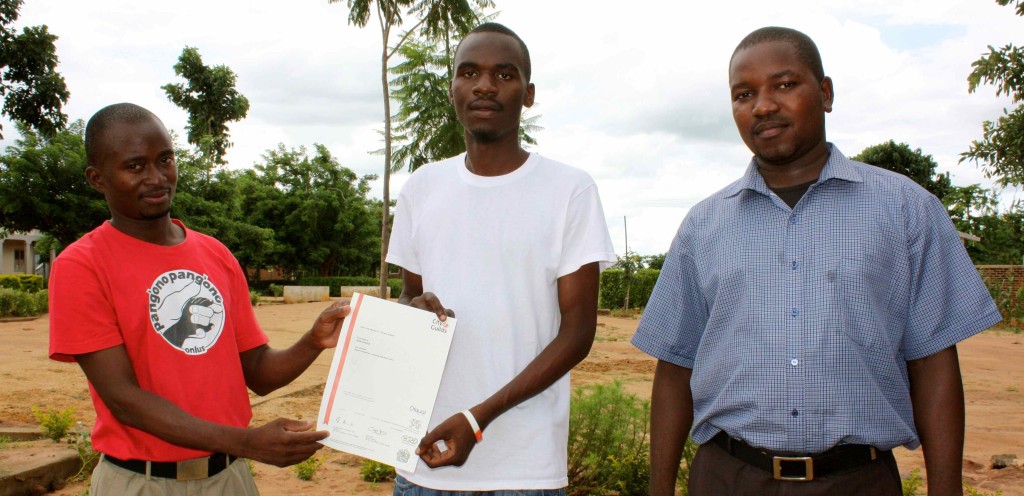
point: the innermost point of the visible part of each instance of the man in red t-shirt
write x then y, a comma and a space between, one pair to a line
159, 319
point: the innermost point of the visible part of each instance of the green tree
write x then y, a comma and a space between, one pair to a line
432, 16
32, 89
211, 100
318, 211
1000, 152
975, 210
909, 162
427, 128
42, 182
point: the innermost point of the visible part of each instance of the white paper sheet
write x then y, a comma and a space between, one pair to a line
383, 380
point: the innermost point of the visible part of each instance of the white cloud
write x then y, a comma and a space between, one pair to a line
638, 97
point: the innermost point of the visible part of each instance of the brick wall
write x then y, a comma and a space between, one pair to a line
1002, 274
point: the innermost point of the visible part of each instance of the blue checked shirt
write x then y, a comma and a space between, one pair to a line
798, 323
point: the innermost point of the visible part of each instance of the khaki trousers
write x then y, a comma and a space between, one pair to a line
110, 480
715, 472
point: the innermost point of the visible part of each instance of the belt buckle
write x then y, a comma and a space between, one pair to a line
194, 469
808, 467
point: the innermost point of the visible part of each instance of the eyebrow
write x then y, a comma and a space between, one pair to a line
502, 65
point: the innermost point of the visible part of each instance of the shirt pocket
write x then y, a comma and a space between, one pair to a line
861, 286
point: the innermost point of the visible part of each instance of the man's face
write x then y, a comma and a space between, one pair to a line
777, 102
135, 170
489, 89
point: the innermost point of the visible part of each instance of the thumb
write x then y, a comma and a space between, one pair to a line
297, 425
427, 443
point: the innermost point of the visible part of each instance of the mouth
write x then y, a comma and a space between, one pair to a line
156, 197
769, 129
484, 107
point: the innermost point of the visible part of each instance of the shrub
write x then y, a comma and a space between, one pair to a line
1009, 301
55, 424
82, 440
608, 442
374, 471
15, 303
29, 283
307, 469
395, 287
254, 297
613, 288
335, 283
276, 290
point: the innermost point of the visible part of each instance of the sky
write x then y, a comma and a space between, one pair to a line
638, 98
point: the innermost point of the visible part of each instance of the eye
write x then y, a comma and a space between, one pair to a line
742, 95
468, 73
505, 76
787, 85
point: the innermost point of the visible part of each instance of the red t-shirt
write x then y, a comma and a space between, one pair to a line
183, 314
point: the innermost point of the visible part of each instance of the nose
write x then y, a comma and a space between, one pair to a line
153, 174
485, 84
764, 105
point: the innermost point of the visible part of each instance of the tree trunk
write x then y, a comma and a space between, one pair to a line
384, 231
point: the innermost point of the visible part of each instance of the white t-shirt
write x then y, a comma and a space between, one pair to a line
492, 250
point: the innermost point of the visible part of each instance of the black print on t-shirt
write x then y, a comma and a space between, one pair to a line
187, 310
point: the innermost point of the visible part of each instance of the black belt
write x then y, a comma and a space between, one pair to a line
800, 468
194, 469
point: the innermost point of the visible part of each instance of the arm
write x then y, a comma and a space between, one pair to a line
268, 369
282, 442
577, 301
937, 395
671, 419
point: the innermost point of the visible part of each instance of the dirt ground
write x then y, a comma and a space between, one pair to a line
992, 363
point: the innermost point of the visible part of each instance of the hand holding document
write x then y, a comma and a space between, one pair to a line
383, 380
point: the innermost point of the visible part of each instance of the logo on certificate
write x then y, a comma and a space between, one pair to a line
439, 326
402, 456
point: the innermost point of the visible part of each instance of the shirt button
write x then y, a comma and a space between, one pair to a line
794, 362
794, 264
792, 220
794, 413
796, 312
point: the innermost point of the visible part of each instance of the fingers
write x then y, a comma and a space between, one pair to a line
286, 442
430, 302
336, 312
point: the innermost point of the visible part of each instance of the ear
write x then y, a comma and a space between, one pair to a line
95, 178
827, 93
531, 92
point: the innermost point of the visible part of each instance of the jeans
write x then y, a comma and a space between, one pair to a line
405, 488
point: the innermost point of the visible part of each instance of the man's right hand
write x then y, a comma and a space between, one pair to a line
429, 302
283, 442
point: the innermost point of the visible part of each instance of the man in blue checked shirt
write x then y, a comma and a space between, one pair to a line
807, 315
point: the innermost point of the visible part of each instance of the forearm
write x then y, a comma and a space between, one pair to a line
557, 359
267, 369
671, 419
937, 395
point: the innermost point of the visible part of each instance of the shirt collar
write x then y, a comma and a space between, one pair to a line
836, 167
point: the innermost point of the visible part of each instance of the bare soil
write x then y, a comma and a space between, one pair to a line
992, 363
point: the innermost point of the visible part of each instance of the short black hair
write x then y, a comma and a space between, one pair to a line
494, 27
105, 117
806, 50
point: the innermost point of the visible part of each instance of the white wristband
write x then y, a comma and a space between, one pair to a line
472, 423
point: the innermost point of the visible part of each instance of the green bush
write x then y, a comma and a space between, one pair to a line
395, 287
307, 470
1010, 302
55, 424
613, 288
28, 283
15, 303
275, 290
374, 471
254, 297
608, 443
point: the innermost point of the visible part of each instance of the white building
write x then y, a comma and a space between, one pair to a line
18, 254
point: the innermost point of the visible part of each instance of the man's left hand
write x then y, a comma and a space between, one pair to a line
457, 435
327, 327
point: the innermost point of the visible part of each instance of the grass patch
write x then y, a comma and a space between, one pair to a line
307, 470
374, 471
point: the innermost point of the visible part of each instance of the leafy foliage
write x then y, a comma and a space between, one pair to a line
374, 471
33, 91
55, 424
211, 100
29, 283
975, 210
1000, 152
42, 182
307, 470
15, 303
613, 288
911, 163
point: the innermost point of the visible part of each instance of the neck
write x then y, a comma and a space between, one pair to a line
494, 159
802, 170
158, 231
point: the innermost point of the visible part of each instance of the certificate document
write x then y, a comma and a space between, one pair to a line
383, 380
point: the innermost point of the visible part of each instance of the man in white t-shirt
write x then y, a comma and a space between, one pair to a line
514, 244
